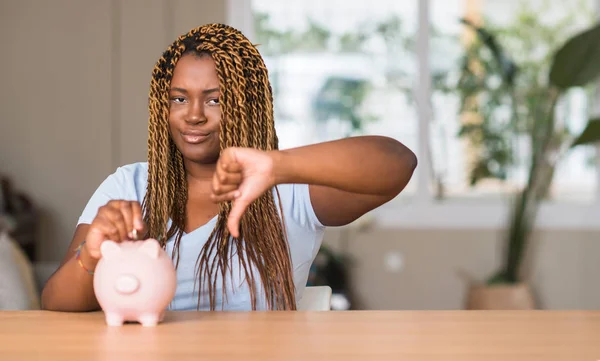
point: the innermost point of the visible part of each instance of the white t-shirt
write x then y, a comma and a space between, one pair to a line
304, 232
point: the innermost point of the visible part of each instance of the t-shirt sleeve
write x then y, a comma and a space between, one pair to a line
302, 210
110, 188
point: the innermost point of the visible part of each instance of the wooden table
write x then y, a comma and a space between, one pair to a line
331, 336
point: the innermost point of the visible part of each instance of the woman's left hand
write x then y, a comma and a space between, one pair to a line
242, 176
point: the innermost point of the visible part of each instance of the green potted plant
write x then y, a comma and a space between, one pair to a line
576, 63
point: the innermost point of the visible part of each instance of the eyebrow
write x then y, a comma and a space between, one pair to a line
206, 91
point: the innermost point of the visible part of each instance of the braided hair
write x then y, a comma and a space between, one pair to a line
247, 121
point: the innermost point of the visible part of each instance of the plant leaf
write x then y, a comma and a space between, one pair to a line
498, 279
577, 62
508, 68
591, 133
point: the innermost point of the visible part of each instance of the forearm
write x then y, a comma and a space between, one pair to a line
70, 288
368, 165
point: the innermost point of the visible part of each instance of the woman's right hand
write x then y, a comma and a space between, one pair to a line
115, 221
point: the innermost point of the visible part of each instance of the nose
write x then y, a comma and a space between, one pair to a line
196, 113
127, 284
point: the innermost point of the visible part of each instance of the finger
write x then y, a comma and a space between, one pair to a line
108, 229
100, 230
230, 177
116, 218
219, 188
225, 197
224, 189
94, 238
224, 183
216, 185
228, 161
127, 213
138, 220
225, 168
233, 221
231, 166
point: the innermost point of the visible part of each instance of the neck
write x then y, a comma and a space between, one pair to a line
199, 173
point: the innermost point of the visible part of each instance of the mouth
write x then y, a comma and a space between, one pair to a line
194, 137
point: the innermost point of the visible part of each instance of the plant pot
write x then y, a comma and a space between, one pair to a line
500, 297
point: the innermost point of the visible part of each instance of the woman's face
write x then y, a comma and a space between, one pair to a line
194, 111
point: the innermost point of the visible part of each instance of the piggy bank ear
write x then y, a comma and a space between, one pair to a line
150, 247
109, 249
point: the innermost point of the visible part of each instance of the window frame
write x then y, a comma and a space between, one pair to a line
421, 210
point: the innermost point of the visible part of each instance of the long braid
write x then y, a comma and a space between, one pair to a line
246, 121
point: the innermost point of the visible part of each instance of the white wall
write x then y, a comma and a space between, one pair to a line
73, 102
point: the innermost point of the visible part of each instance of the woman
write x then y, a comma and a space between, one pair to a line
242, 219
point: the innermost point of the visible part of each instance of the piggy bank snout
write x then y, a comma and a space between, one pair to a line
127, 284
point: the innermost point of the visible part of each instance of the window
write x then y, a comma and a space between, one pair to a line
347, 67
340, 68
493, 154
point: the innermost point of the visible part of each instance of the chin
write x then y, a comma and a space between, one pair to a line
200, 156
202, 159
204, 153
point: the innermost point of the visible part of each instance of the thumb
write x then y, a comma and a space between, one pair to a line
235, 215
93, 240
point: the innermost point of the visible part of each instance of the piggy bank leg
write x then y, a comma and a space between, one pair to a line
149, 320
114, 319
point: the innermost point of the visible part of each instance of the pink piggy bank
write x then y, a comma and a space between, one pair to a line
134, 281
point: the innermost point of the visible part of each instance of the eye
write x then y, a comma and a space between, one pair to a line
178, 100
213, 101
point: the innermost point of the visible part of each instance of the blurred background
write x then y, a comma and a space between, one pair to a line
462, 83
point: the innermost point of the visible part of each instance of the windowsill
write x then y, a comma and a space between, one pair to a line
484, 215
